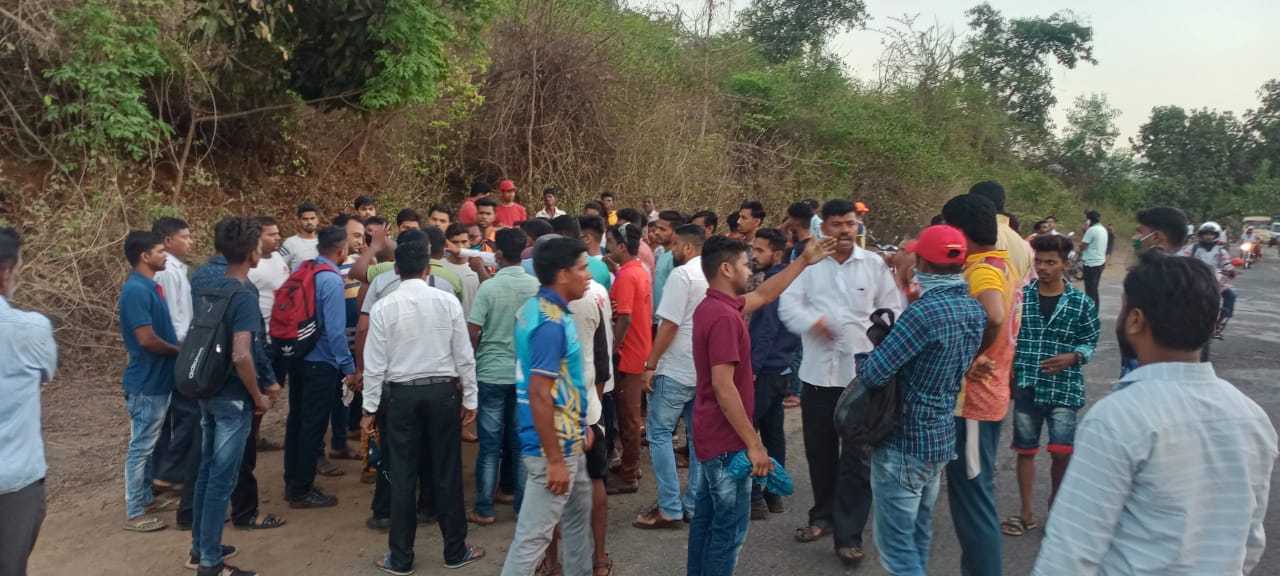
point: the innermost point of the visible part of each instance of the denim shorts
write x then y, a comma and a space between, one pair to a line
1028, 419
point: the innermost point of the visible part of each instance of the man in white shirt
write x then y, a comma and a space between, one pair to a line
830, 307
268, 276
419, 351
549, 210
303, 245
1172, 471
178, 448
589, 315
669, 377
1093, 253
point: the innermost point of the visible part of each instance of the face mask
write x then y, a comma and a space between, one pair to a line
930, 281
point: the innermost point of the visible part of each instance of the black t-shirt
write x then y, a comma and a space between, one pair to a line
1047, 305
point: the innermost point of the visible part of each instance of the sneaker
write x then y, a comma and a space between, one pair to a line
314, 499
379, 525
223, 570
194, 561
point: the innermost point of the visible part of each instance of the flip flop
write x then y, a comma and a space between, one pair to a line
148, 525
654, 520
606, 564
163, 506
1016, 526
383, 565
268, 522
811, 533
473, 553
850, 556
478, 519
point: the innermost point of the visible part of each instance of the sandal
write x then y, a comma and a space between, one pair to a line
548, 569
606, 564
655, 520
326, 468
344, 454
263, 523
791, 402
850, 556
478, 519
473, 553
163, 505
384, 565
811, 533
1016, 526
147, 525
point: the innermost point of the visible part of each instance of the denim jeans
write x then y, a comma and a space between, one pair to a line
671, 400
497, 429
224, 424
543, 510
721, 517
973, 503
905, 489
146, 417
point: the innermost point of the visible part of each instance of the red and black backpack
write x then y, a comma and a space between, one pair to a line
295, 322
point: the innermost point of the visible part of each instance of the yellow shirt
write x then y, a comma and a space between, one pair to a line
1019, 250
613, 218
989, 400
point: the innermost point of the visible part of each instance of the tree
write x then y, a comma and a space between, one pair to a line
787, 29
1085, 149
1197, 161
1263, 125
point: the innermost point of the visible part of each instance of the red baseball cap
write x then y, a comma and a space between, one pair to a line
506, 186
940, 244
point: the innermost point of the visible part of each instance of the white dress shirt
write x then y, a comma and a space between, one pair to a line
417, 332
685, 289
177, 293
843, 296
552, 215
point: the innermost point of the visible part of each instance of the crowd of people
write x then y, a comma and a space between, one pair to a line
572, 341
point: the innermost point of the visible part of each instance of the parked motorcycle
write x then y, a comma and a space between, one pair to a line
1075, 266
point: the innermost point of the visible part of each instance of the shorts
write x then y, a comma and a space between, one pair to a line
1028, 419
598, 455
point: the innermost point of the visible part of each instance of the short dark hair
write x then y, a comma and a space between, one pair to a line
720, 249
732, 221
447, 209
1038, 224
708, 217
800, 211
1167, 220
756, 208
552, 191
594, 224
10, 247
265, 221
435, 238
372, 220
594, 205
362, 201
606, 194
479, 187
139, 242
236, 238
1053, 243
455, 229
567, 226
692, 234
408, 215
975, 216
413, 258
341, 220
937, 219
536, 228
305, 207
330, 238
627, 234
1179, 296
511, 242
413, 236
813, 203
167, 226
1014, 223
777, 240
672, 217
633, 216
837, 207
1093, 215
991, 190
555, 255
487, 201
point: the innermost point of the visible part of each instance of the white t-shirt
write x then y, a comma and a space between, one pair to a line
268, 276
297, 250
173, 280
685, 289
1096, 254
588, 313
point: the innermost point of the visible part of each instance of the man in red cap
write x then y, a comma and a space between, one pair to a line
928, 350
508, 211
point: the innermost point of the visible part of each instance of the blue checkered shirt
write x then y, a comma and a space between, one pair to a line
929, 350
1073, 327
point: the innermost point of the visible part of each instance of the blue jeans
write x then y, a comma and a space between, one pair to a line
497, 428
1029, 419
146, 418
722, 514
1228, 303
225, 424
973, 504
671, 400
904, 489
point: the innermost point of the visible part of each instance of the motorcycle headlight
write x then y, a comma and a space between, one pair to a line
1247, 246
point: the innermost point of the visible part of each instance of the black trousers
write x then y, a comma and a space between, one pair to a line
1092, 277
771, 389
840, 474
311, 392
178, 448
381, 504
23, 514
425, 417
244, 499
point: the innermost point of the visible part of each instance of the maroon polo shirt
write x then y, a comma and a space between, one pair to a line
720, 337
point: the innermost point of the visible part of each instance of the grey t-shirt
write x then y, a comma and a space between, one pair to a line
387, 283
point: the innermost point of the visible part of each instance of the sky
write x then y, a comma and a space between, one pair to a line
1150, 53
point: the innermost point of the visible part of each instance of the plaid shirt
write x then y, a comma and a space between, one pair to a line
1073, 327
929, 349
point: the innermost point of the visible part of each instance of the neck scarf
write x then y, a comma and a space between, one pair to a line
930, 281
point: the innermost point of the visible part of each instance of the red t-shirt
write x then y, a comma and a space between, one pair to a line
632, 293
509, 215
720, 337
467, 214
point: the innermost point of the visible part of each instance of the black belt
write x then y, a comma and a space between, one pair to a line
428, 381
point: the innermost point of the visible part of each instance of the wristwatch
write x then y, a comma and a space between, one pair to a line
647, 366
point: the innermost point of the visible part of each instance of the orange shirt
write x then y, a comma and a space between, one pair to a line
632, 293
989, 400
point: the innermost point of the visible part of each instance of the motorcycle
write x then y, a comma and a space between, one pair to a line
1249, 253
1075, 266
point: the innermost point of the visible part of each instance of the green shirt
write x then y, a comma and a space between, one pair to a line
599, 271
439, 270
379, 268
494, 311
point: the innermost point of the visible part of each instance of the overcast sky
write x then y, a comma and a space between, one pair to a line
1150, 53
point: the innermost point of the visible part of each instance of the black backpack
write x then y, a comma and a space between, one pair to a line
204, 365
864, 415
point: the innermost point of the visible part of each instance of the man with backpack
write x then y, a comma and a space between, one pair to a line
314, 304
237, 389
929, 350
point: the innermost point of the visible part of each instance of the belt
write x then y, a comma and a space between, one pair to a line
429, 380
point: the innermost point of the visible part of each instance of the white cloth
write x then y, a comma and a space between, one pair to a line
843, 296
589, 312
297, 250
553, 214
470, 283
177, 293
418, 332
685, 289
1096, 254
268, 276
487, 258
